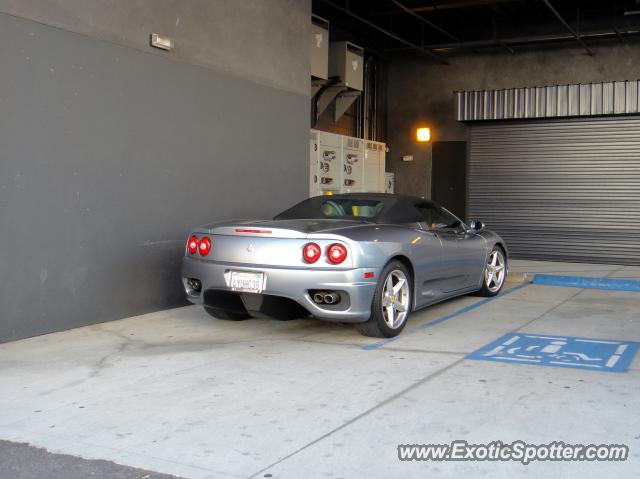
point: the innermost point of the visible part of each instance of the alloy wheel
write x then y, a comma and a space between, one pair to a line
395, 299
495, 271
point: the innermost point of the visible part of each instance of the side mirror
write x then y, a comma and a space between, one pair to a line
476, 225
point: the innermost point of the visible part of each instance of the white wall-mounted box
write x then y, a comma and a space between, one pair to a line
390, 183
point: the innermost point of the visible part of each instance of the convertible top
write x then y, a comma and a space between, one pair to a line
396, 209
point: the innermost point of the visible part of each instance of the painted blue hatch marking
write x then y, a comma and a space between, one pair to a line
446, 317
587, 282
560, 351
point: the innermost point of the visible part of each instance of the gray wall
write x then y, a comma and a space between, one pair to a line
420, 92
109, 155
264, 40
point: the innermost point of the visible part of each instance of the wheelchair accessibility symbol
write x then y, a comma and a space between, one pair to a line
560, 351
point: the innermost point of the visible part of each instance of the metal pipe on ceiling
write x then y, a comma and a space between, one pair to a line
429, 53
424, 20
497, 40
449, 6
528, 40
568, 27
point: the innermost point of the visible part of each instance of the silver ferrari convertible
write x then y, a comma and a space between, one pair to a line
367, 259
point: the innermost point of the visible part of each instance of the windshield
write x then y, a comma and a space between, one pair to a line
331, 207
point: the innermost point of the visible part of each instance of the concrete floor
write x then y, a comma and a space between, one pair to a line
180, 393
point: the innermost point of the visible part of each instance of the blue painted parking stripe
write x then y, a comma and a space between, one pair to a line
459, 312
587, 282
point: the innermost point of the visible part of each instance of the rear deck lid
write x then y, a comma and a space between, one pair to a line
279, 228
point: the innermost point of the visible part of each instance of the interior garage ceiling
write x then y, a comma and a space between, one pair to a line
440, 28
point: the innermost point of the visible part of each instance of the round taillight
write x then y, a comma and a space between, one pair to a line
336, 253
311, 252
204, 246
192, 245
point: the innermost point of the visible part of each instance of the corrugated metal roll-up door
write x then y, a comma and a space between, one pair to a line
559, 190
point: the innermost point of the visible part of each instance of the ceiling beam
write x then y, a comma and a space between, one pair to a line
568, 27
409, 44
424, 20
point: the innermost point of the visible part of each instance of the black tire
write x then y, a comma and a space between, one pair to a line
226, 315
376, 326
485, 290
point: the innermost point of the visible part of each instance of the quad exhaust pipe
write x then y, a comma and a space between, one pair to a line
326, 297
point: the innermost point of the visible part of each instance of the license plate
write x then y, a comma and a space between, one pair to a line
248, 282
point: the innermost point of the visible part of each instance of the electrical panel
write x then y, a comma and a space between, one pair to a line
319, 47
346, 60
343, 164
329, 164
374, 164
314, 164
352, 165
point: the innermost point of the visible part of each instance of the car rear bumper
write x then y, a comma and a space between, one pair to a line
294, 284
